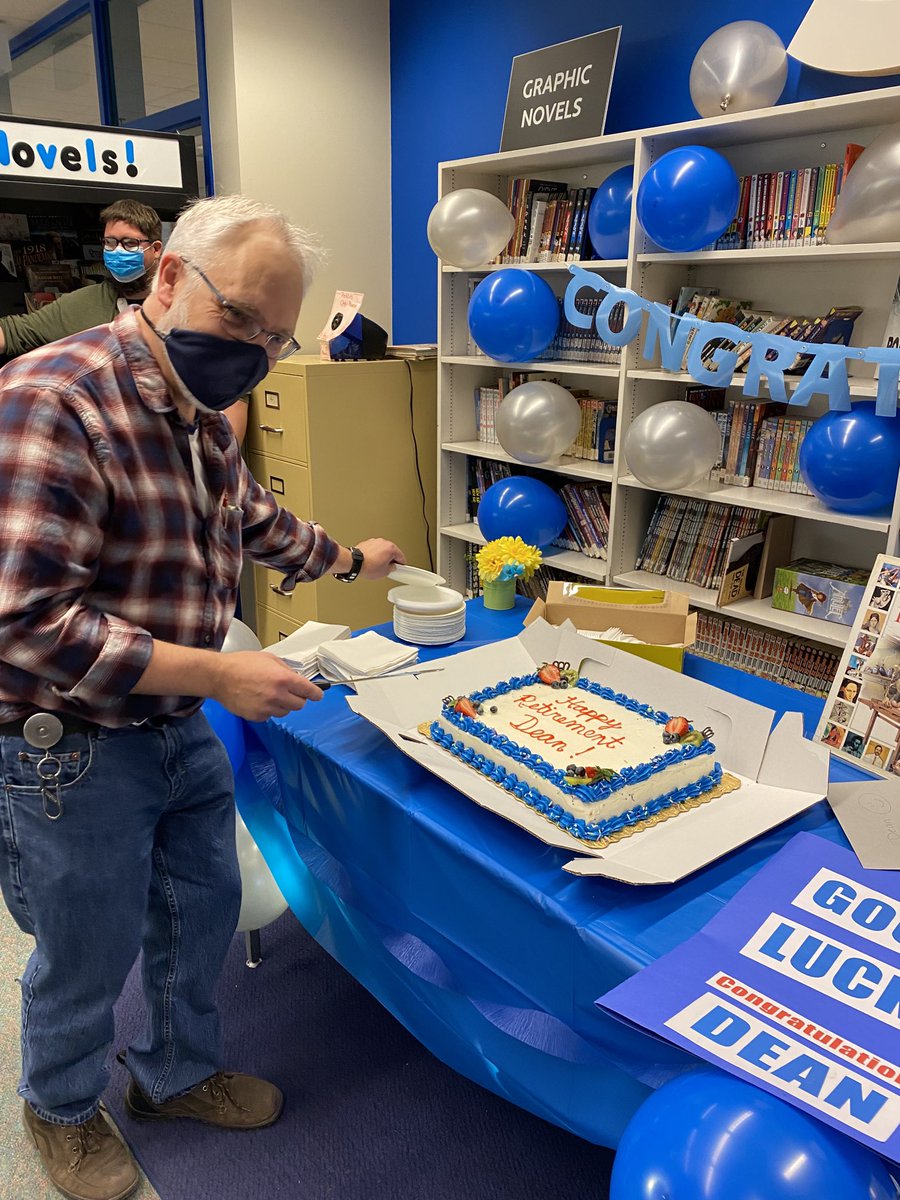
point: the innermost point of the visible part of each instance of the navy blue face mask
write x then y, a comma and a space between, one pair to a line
214, 370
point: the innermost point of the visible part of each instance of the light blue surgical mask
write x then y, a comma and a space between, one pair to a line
124, 265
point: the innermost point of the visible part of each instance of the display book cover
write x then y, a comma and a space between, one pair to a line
781, 774
861, 718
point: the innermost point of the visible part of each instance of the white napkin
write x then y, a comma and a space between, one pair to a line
613, 634
301, 648
370, 654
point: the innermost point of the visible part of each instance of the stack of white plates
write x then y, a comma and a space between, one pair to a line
425, 613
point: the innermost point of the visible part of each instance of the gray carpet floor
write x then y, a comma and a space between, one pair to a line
21, 1174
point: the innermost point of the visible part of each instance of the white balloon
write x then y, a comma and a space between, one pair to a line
240, 637
262, 901
672, 445
740, 67
868, 205
467, 228
537, 421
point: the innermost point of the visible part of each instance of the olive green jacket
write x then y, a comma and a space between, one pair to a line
95, 304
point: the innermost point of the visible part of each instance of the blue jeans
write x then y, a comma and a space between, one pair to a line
135, 851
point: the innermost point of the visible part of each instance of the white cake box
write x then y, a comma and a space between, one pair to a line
781, 773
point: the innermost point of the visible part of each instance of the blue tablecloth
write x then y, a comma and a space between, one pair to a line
463, 925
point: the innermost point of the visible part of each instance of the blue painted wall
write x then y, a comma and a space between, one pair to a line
450, 63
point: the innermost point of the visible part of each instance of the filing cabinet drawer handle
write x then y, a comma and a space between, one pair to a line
271, 429
279, 591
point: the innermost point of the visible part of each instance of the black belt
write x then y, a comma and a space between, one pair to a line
77, 724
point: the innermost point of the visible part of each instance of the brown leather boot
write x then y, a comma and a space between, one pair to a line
87, 1161
230, 1101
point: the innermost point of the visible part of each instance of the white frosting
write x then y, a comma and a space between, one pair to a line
572, 726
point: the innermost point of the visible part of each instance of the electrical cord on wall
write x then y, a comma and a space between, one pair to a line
412, 429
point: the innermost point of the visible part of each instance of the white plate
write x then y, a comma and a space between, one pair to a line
432, 621
429, 620
444, 640
403, 573
429, 600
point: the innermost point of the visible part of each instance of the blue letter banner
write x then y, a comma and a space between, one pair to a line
770, 354
795, 987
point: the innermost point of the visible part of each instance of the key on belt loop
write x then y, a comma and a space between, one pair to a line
43, 730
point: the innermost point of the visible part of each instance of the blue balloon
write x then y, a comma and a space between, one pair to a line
610, 214
513, 315
521, 507
229, 729
849, 460
710, 1136
688, 198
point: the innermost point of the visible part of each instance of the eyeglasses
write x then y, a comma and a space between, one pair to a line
243, 327
110, 243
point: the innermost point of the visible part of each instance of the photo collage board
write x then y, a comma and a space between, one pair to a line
861, 718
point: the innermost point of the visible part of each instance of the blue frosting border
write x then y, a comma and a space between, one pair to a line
588, 793
584, 793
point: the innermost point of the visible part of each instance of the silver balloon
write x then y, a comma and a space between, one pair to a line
240, 637
868, 205
739, 67
261, 900
672, 445
537, 421
468, 228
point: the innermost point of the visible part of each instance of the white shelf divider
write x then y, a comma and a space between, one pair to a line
758, 611
536, 367
790, 503
573, 468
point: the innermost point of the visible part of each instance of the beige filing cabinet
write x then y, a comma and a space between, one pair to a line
334, 443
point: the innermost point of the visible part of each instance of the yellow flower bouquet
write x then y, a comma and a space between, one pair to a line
500, 563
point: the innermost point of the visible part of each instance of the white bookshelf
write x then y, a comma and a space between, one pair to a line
816, 277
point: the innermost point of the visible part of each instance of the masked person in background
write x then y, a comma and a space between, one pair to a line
132, 244
125, 509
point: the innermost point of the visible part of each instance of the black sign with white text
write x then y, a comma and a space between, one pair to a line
560, 93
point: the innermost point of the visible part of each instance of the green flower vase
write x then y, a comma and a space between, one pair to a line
500, 594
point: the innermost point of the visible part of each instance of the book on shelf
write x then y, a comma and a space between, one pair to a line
57, 275
687, 539
765, 652
891, 339
708, 305
787, 208
482, 473
550, 221
751, 560
8, 270
587, 526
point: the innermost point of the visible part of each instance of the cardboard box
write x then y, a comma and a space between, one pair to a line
781, 773
660, 619
821, 590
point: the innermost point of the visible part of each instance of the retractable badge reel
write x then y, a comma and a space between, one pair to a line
43, 731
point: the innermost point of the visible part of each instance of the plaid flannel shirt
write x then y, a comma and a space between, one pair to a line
103, 543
